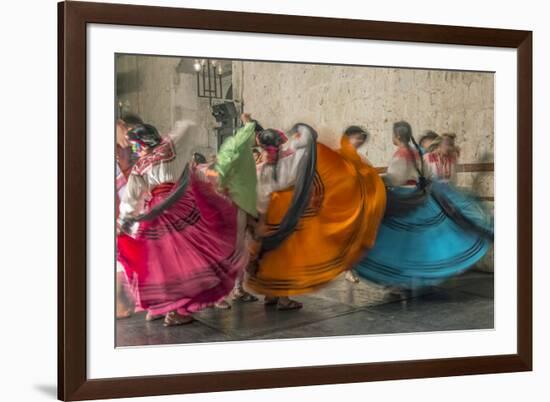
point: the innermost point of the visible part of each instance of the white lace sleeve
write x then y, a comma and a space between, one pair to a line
183, 135
429, 168
132, 198
287, 171
397, 172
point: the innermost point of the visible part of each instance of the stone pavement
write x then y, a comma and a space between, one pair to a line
342, 308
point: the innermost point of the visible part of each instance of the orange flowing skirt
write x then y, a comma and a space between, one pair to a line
341, 221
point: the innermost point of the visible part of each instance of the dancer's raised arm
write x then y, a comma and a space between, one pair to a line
226, 158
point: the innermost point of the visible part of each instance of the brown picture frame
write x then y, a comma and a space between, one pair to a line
73, 383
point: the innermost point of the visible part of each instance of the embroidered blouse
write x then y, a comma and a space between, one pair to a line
287, 170
164, 164
439, 167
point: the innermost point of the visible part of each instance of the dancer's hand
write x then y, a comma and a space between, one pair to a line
246, 118
211, 173
212, 176
121, 130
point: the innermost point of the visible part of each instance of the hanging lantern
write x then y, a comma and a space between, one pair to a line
209, 79
197, 66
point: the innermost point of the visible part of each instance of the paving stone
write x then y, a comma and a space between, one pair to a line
445, 310
482, 287
364, 293
135, 331
245, 320
472, 276
342, 308
355, 323
357, 294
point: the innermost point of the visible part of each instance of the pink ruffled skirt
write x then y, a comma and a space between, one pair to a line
187, 258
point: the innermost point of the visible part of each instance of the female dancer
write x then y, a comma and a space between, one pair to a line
178, 240
357, 137
125, 159
319, 209
234, 172
429, 232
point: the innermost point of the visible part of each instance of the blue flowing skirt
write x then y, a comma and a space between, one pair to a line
442, 235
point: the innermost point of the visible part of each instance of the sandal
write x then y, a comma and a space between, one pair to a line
243, 296
289, 305
173, 319
222, 305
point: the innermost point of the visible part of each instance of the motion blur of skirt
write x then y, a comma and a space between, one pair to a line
186, 258
444, 235
346, 206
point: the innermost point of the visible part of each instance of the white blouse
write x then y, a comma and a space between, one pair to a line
287, 169
402, 169
164, 164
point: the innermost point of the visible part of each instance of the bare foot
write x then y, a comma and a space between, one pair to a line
122, 311
124, 304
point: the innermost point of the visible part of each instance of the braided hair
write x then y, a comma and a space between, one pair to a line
131, 119
429, 135
398, 204
356, 130
402, 130
451, 139
258, 127
271, 140
145, 134
302, 188
199, 158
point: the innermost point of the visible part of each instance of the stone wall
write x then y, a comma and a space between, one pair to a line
333, 97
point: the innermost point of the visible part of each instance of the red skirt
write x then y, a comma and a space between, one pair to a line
186, 258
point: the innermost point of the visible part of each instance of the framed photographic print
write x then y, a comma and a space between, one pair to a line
253, 200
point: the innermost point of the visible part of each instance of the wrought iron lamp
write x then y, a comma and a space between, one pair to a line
209, 79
